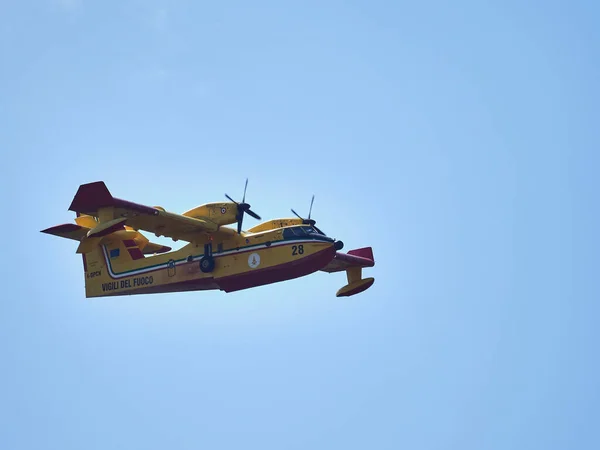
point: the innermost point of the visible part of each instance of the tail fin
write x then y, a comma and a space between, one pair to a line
109, 246
114, 254
100, 260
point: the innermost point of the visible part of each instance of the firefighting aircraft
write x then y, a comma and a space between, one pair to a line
119, 260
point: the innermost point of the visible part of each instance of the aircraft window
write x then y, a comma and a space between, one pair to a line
293, 232
288, 233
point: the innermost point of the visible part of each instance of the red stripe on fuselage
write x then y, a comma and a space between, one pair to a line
142, 271
281, 272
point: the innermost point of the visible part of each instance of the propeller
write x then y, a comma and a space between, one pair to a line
242, 208
309, 221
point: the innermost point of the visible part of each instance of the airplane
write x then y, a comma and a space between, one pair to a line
119, 260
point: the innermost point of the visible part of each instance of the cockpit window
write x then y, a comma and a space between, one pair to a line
288, 233
298, 232
293, 233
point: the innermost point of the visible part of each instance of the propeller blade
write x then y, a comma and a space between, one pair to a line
309, 221
245, 187
253, 214
242, 208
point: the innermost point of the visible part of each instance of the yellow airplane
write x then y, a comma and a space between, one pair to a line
119, 260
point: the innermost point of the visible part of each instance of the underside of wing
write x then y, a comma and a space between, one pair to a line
171, 225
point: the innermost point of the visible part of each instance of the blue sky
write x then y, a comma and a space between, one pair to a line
458, 139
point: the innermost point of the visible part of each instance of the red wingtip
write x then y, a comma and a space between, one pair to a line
90, 197
365, 252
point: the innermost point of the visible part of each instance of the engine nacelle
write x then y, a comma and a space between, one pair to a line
220, 213
273, 224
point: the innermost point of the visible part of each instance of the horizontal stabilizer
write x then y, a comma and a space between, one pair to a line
68, 231
89, 239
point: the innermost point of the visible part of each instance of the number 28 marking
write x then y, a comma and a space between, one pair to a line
297, 249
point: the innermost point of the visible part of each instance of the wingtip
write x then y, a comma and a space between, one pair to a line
365, 252
90, 197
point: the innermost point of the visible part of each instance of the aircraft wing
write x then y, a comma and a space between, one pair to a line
93, 197
362, 257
